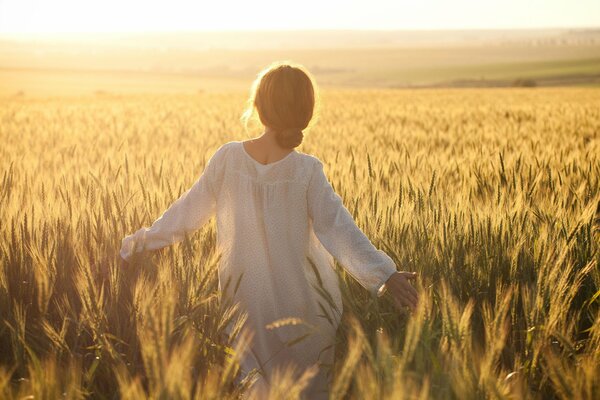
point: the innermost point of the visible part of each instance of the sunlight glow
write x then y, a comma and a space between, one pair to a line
30, 16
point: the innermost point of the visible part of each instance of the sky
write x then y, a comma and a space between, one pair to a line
64, 16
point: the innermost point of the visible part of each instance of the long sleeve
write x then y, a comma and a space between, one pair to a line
336, 229
187, 214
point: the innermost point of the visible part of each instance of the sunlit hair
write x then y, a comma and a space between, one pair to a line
285, 97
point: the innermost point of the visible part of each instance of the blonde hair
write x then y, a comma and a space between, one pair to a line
285, 97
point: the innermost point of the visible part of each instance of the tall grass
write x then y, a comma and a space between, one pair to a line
493, 196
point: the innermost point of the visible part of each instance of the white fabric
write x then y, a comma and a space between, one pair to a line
270, 220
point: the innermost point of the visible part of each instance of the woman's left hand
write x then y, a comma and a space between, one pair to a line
403, 293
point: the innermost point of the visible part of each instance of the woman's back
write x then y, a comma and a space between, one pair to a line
264, 233
264, 230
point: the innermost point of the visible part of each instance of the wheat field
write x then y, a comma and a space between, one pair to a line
491, 195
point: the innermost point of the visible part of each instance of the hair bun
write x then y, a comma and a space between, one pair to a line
290, 137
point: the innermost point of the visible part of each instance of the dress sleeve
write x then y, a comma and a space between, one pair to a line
334, 226
187, 214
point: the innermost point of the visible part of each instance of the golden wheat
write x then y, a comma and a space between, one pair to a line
491, 195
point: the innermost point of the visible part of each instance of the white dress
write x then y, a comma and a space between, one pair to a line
271, 220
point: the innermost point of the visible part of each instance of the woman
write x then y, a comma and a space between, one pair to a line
279, 223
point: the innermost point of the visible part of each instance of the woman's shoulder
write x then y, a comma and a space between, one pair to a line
223, 149
226, 146
310, 159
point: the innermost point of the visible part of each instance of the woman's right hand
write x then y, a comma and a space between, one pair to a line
403, 293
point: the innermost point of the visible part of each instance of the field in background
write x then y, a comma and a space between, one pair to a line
490, 194
192, 62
